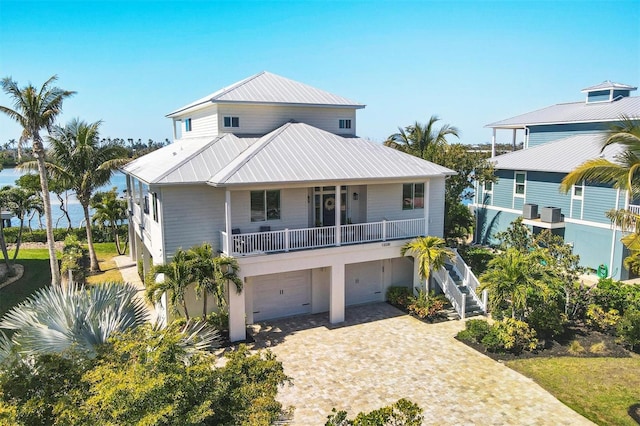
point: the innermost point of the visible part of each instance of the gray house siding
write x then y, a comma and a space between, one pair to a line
539, 135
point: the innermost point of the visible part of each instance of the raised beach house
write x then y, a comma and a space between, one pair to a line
556, 140
270, 171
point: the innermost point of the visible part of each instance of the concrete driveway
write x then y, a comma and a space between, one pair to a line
380, 355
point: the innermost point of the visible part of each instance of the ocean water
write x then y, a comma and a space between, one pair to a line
10, 175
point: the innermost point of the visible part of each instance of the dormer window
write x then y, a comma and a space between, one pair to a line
344, 123
607, 91
232, 122
187, 125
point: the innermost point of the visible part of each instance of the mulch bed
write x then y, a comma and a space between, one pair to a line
559, 347
439, 317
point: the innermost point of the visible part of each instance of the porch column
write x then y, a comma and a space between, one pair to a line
227, 222
513, 140
146, 260
338, 213
493, 143
237, 325
336, 294
137, 246
132, 239
426, 206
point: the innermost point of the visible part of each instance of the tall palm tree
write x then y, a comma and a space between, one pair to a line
201, 258
509, 278
430, 253
56, 319
36, 109
178, 276
421, 140
82, 163
110, 212
3, 242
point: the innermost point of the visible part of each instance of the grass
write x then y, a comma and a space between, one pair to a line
37, 274
601, 389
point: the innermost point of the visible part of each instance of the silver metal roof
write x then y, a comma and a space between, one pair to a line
608, 84
268, 88
298, 152
560, 156
575, 112
295, 152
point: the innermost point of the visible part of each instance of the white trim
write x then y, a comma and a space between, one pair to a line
485, 191
515, 185
613, 238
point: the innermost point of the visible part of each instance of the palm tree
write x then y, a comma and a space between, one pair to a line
178, 276
201, 258
36, 109
20, 202
3, 243
421, 140
83, 164
57, 319
430, 253
110, 212
509, 278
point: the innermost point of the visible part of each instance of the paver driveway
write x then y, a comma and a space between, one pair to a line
380, 355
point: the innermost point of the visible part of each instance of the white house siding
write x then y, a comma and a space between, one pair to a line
436, 207
192, 215
204, 122
262, 119
384, 202
294, 212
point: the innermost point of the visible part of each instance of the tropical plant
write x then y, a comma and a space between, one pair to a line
178, 274
430, 253
3, 243
73, 260
510, 335
426, 304
56, 319
36, 109
82, 163
420, 139
110, 212
401, 413
20, 202
509, 279
628, 328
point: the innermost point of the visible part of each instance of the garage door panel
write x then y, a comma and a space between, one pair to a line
363, 283
280, 295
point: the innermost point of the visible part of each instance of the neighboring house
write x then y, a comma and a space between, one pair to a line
556, 140
270, 171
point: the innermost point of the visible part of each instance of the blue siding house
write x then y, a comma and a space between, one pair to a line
556, 140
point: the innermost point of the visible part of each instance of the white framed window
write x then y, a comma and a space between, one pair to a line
488, 187
265, 205
344, 123
187, 125
231, 122
519, 184
577, 191
412, 196
154, 205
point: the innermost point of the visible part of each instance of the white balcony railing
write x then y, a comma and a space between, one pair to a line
635, 209
310, 238
468, 279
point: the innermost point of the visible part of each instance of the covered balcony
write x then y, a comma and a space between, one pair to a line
258, 243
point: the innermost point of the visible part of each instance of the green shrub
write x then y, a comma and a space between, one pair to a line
426, 305
475, 330
598, 348
477, 258
398, 295
219, 320
610, 294
402, 412
600, 320
547, 319
629, 328
510, 335
74, 259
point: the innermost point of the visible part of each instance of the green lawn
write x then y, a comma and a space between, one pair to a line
601, 389
37, 274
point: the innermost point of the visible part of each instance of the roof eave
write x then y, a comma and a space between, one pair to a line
548, 123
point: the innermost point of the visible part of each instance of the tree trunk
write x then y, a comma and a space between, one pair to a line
19, 151
204, 305
19, 239
3, 245
65, 212
186, 313
95, 267
38, 151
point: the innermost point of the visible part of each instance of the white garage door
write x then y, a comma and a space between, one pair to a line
281, 295
363, 283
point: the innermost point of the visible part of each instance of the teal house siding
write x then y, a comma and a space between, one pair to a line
593, 245
490, 222
543, 190
503, 189
518, 203
576, 212
598, 199
539, 135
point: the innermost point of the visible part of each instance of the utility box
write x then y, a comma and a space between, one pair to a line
550, 215
530, 211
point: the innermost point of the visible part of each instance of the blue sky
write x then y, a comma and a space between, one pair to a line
469, 62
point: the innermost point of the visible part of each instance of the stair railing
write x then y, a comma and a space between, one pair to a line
469, 280
451, 291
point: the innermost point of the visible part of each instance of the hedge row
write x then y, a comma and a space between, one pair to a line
100, 235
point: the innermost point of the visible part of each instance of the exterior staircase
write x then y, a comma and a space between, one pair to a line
472, 307
459, 285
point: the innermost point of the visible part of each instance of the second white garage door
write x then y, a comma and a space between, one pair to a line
281, 295
363, 283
